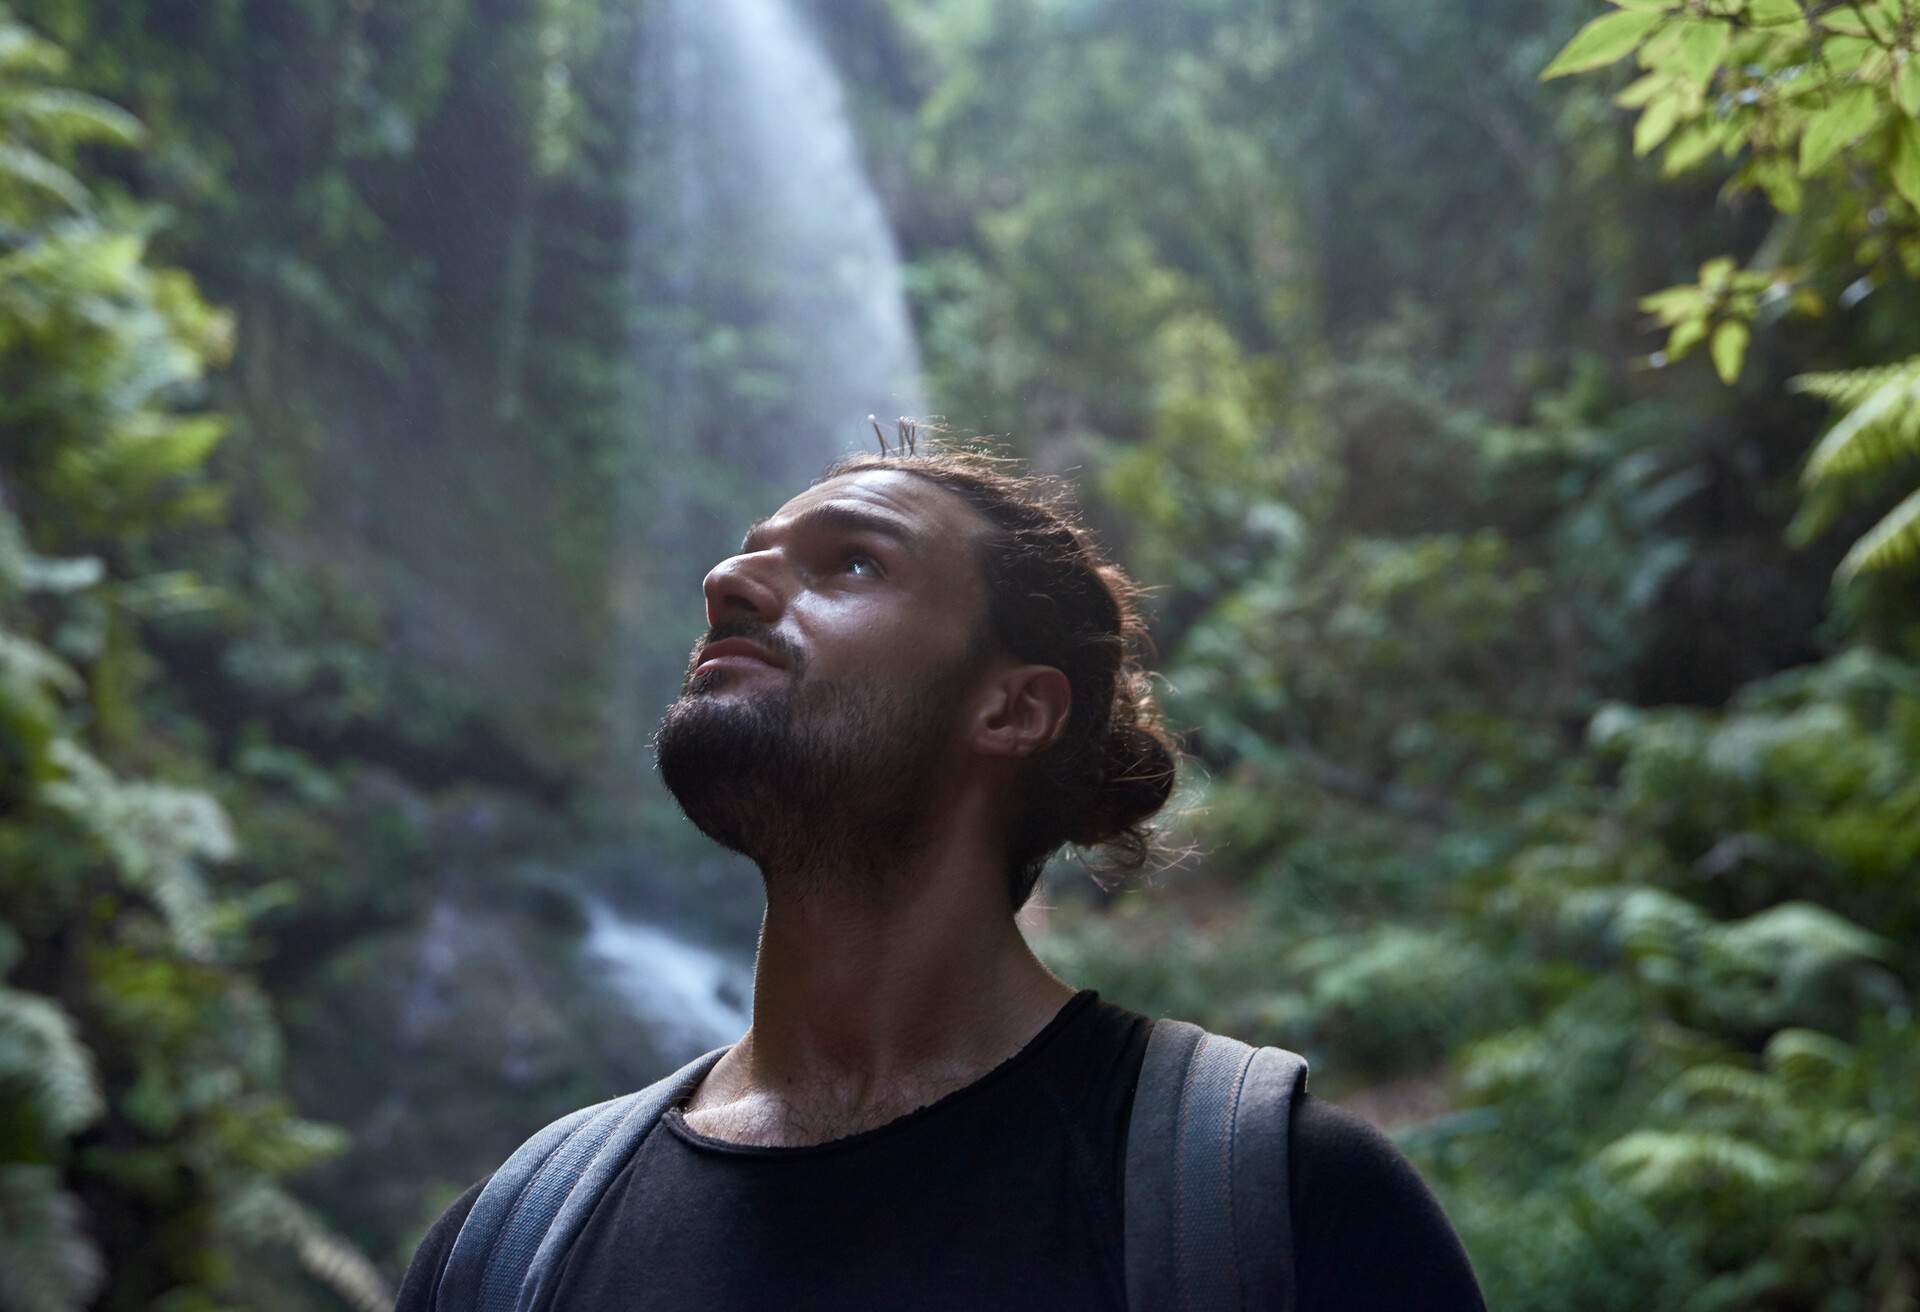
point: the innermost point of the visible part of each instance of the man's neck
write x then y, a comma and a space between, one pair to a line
871, 1005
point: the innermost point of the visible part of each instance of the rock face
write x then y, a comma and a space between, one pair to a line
462, 1038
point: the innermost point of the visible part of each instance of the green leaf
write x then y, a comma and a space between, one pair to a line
1656, 123
1686, 335
1729, 349
1906, 86
1844, 54
1775, 175
1638, 93
1904, 169
1672, 304
1841, 123
1602, 41
1699, 49
1845, 21
1773, 13
1691, 145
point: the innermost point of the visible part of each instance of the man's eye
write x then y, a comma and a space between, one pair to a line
859, 558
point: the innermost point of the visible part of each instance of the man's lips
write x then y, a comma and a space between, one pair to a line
738, 648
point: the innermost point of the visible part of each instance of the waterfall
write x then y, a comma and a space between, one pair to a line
783, 258
692, 998
771, 321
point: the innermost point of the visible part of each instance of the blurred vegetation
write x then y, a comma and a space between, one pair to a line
1553, 681
244, 750
1556, 801
140, 1067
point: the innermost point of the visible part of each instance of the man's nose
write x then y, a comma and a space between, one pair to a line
743, 585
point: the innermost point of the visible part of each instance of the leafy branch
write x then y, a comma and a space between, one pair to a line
1799, 95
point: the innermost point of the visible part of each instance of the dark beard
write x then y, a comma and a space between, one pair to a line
822, 784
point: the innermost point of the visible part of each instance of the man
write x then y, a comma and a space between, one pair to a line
919, 680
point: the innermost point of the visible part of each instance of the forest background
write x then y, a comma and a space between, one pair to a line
1551, 655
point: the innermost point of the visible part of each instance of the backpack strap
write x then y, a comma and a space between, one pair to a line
509, 1251
1207, 1218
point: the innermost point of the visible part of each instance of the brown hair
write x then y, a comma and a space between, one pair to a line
1054, 599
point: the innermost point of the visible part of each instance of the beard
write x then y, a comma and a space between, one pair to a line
825, 785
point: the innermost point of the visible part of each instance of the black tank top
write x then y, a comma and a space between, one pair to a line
1006, 1193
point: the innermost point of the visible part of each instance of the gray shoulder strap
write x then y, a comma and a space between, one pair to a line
510, 1249
1207, 1216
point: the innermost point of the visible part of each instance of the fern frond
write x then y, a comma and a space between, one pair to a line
68, 116
156, 834
1895, 540
50, 1264
1846, 388
43, 1061
265, 1213
32, 169
1881, 425
27, 669
1805, 1057
1660, 1162
22, 53
1720, 1083
1800, 936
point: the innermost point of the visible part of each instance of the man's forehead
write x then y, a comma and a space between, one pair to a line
925, 512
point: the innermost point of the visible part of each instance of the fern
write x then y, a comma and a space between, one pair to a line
1657, 1163
1804, 1057
42, 124
44, 1065
1849, 387
157, 835
48, 1261
1800, 937
1895, 540
27, 669
1880, 429
267, 1214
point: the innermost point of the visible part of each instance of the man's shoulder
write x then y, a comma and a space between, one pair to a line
1328, 1138
1368, 1232
422, 1281
1366, 1229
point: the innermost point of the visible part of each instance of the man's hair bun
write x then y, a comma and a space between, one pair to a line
1138, 770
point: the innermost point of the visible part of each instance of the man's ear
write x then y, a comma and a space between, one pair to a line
1024, 709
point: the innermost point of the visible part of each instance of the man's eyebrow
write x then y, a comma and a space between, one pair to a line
836, 515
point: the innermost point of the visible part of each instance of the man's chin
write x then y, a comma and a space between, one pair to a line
708, 745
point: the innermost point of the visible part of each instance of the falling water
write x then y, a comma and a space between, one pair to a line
692, 997
770, 320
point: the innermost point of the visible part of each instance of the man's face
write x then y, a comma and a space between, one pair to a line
864, 593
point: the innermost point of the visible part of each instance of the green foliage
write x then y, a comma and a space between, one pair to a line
1328, 302
1670, 1065
1818, 105
43, 125
1633, 979
139, 1064
1753, 1094
1880, 431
